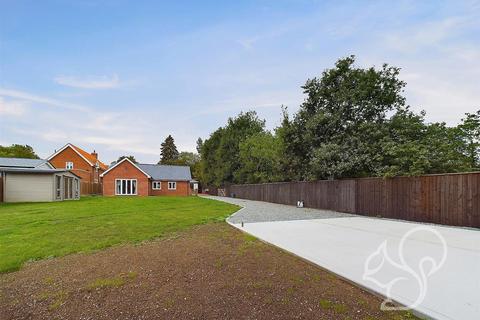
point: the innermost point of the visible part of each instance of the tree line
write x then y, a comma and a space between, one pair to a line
354, 122
18, 151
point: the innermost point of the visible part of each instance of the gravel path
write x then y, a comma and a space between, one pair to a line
258, 211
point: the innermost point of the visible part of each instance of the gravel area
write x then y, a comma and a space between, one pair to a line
258, 211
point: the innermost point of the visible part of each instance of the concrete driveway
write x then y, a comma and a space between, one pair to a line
439, 281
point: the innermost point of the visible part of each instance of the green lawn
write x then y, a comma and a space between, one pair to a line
31, 231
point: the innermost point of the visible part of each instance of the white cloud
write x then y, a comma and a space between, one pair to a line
444, 100
110, 133
137, 148
267, 99
248, 43
12, 108
96, 82
22, 95
54, 135
418, 37
439, 62
436, 50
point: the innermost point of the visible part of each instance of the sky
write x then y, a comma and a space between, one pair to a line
119, 76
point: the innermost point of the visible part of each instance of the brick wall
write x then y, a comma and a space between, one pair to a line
125, 170
80, 166
183, 189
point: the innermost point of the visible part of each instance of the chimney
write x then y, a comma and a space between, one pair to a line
95, 155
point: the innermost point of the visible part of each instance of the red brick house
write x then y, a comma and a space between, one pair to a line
128, 178
80, 162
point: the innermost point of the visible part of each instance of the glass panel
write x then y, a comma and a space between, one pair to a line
129, 190
124, 186
119, 187
134, 186
58, 187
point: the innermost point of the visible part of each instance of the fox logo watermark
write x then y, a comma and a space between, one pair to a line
418, 273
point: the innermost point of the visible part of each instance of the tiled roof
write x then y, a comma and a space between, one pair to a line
89, 157
164, 172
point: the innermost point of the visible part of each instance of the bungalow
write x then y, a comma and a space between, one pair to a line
34, 180
128, 178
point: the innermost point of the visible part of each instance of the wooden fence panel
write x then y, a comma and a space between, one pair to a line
451, 199
87, 188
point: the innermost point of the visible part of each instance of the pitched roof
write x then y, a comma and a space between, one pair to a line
164, 172
89, 157
158, 172
21, 162
84, 154
36, 170
121, 161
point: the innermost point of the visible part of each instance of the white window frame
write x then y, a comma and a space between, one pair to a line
174, 183
122, 193
155, 187
69, 165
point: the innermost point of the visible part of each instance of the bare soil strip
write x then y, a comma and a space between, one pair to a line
207, 272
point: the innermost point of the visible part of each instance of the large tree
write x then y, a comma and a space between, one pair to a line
199, 145
18, 151
131, 158
220, 152
168, 151
342, 116
469, 131
191, 160
261, 159
354, 122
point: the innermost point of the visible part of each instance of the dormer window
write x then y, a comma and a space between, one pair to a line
69, 165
